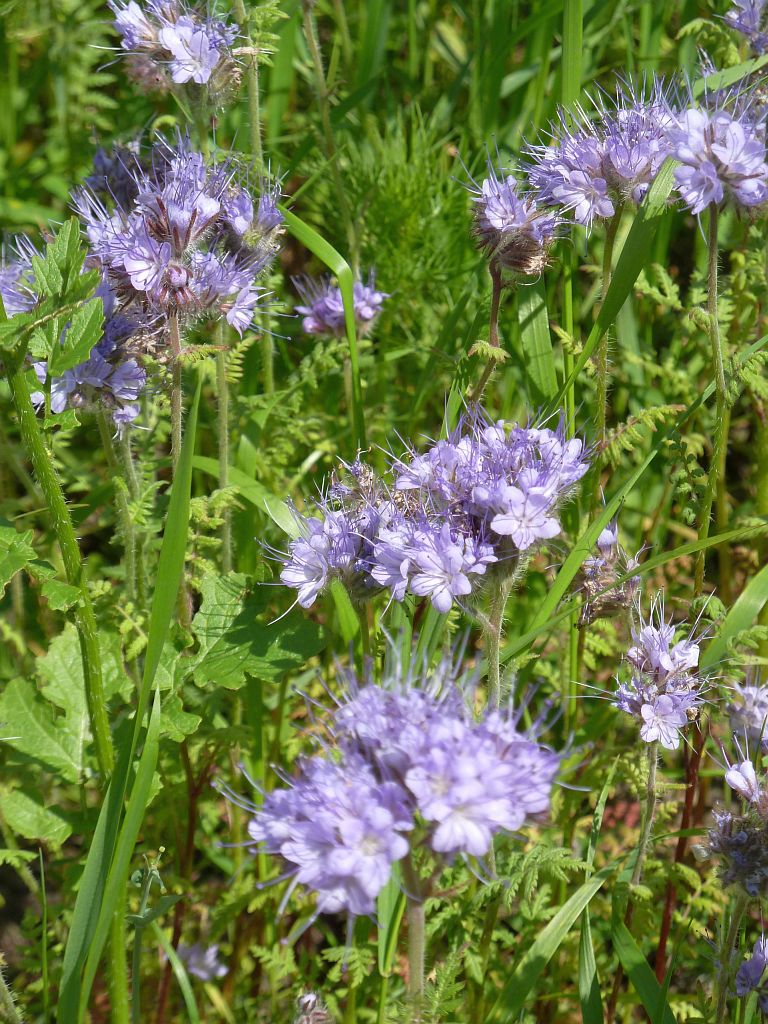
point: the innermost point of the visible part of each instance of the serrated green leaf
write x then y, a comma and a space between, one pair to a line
16, 552
35, 731
48, 279
28, 817
59, 595
178, 723
235, 639
84, 330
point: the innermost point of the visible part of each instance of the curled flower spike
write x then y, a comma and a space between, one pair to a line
323, 306
190, 243
509, 227
603, 595
665, 690
169, 43
409, 766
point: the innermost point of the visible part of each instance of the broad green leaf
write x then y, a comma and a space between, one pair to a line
520, 982
236, 639
730, 76
349, 623
81, 334
38, 733
16, 552
741, 616
253, 491
536, 342
26, 815
640, 975
589, 982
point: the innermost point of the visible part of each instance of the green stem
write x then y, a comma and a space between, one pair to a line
725, 563
8, 1010
322, 95
493, 329
649, 812
254, 100
601, 362
85, 620
118, 969
721, 401
222, 426
501, 590
414, 910
127, 527
176, 390
761, 497
725, 957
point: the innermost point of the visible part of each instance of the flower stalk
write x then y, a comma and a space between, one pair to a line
725, 956
415, 916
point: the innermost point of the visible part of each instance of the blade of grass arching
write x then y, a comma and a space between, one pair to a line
179, 972
741, 615
254, 492
336, 263
521, 981
635, 253
121, 863
537, 344
641, 976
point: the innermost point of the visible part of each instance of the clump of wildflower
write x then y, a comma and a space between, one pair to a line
202, 961
411, 767
169, 43
748, 711
665, 689
598, 164
749, 977
488, 494
322, 307
741, 840
722, 156
749, 18
510, 228
603, 595
190, 244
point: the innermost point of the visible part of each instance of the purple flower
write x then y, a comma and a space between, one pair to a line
749, 713
323, 308
742, 778
167, 36
442, 562
750, 974
664, 719
722, 157
202, 961
177, 248
748, 17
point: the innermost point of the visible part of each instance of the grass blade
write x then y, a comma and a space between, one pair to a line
520, 983
641, 976
336, 263
179, 972
742, 615
536, 342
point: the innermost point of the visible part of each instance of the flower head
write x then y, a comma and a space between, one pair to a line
748, 712
749, 18
169, 43
323, 306
187, 244
202, 961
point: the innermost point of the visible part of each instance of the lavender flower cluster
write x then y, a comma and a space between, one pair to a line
169, 43
189, 242
749, 17
665, 689
322, 307
411, 766
602, 578
749, 977
483, 497
597, 163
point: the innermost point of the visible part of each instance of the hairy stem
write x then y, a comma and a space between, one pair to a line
177, 405
254, 100
85, 620
127, 527
8, 1010
601, 362
501, 589
649, 812
118, 968
761, 496
414, 909
493, 329
133, 484
222, 426
721, 402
